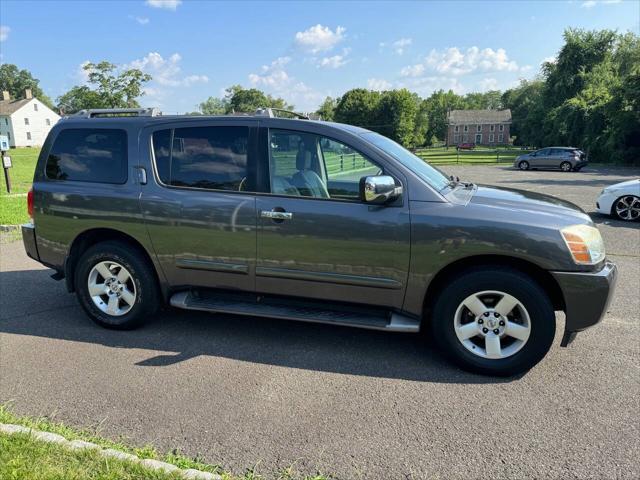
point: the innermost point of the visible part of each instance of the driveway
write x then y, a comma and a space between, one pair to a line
242, 391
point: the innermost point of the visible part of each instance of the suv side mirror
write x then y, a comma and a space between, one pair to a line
379, 189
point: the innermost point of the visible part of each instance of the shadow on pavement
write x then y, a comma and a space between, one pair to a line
180, 336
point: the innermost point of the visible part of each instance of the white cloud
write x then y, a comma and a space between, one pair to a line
273, 76
336, 61
166, 4
551, 59
413, 70
487, 84
166, 71
140, 20
399, 46
378, 84
4, 32
81, 74
592, 3
319, 38
425, 86
453, 61
274, 79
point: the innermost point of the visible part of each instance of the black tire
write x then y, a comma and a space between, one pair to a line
147, 297
566, 167
633, 199
503, 279
523, 165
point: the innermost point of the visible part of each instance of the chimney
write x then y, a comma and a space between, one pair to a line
28, 94
5, 95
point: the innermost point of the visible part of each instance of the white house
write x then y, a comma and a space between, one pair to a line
27, 121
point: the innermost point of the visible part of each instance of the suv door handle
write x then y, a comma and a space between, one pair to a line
276, 215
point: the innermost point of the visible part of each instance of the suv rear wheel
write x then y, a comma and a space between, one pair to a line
494, 321
115, 285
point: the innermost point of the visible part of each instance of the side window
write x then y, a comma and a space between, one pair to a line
308, 165
543, 153
89, 155
213, 158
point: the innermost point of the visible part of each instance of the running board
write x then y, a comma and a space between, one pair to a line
294, 310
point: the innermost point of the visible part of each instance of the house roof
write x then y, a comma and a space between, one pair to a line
479, 116
7, 107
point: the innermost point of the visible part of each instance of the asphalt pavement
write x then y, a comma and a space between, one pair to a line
252, 392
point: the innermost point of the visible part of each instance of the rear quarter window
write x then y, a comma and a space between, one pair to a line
89, 155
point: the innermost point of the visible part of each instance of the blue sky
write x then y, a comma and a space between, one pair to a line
302, 51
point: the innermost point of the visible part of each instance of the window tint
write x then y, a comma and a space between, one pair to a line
202, 157
89, 155
308, 165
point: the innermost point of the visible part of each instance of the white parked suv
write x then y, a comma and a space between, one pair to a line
622, 200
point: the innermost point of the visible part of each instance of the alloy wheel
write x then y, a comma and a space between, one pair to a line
565, 166
111, 288
628, 207
492, 324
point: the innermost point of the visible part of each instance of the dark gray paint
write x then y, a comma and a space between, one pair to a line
330, 250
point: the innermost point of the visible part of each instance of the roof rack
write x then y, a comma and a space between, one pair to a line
272, 113
117, 112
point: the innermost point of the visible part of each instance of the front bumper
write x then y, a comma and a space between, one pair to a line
29, 240
586, 296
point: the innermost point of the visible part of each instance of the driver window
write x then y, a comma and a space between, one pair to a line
308, 165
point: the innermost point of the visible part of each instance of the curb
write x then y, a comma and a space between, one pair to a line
189, 474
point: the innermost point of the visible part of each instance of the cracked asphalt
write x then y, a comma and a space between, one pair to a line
244, 392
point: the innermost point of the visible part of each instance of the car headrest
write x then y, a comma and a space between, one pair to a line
303, 158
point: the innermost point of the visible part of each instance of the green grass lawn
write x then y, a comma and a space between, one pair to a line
23, 457
480, 155
13, 207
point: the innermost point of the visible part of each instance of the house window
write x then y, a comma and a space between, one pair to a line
456, 128
9, 135
26, 121
502, 128
456, 138
466, 128
478, 138
465, 138
492, 128
35, 107
28, 135
48, 122
479, 128
491, 138
6, 121
501, 138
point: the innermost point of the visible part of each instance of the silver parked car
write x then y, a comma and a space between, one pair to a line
564, 158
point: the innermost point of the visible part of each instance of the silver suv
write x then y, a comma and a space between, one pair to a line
564, 158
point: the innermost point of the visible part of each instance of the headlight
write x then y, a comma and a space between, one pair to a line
585, 244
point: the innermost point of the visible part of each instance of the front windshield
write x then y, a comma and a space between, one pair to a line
426, 172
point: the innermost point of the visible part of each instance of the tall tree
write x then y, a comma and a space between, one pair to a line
111, 89
242, 100
213, 106
16, 81
359, 107
327, 109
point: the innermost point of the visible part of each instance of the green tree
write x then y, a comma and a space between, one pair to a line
213, 106
436, 108
327, 109
359, 107
242, 100
527, 112
398, 109
110, 89
16, 81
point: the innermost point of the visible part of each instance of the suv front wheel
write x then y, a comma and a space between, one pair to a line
494, 321
115, 285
